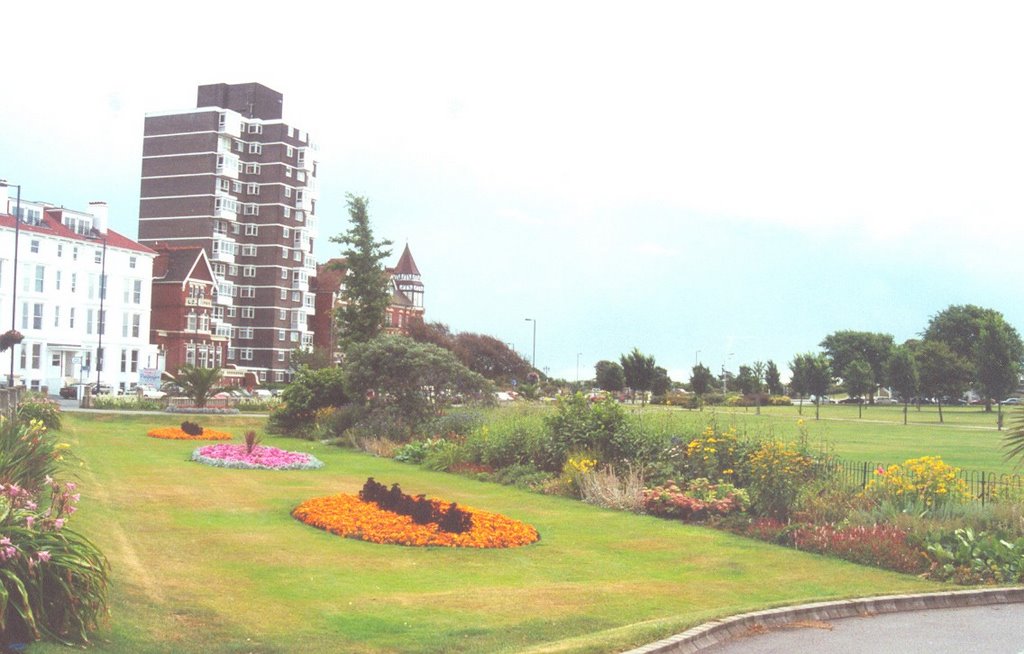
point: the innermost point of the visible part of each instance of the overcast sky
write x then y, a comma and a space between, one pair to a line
723, 181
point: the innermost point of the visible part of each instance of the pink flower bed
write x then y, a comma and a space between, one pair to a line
229, 455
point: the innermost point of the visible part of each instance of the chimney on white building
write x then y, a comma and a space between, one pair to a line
99, 214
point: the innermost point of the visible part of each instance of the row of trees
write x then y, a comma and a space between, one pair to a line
634, 371
964, 347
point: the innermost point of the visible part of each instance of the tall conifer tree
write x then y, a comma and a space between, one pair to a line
366, 295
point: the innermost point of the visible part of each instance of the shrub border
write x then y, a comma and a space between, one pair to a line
718, 631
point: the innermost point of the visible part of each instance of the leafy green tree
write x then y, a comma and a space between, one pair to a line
812, 375
609, 376
198, 384
661, 384
366, 295
407, 380
845, 347
701, 380
997, 364
746, 382
943, 372
859, 381
960, 327
772, 379
313, 359
490, 357
901, 371
311, 389
639, 372
758, 369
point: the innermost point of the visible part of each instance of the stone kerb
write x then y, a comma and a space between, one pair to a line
716, 631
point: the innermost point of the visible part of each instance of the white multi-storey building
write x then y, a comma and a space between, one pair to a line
82, 298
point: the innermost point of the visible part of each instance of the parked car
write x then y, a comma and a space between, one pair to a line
886, 400
170, 388
151, 393
262, 393
69, 392
852, 400
101, 389
1012, 400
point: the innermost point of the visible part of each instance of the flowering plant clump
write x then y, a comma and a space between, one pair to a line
39, 407
715, 454
227, 455
699, 500
351, 517
882, 546
178, 434
9, 339
52, 580
777, 472
927, 481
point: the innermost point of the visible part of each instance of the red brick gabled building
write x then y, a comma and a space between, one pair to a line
406, 299
183, 298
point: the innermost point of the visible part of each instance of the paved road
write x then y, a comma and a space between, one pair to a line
994, 629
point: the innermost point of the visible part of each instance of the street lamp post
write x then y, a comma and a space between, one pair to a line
534, 362
14, 272
103, 318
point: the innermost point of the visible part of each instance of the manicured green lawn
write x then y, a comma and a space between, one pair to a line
209, 560
968, 438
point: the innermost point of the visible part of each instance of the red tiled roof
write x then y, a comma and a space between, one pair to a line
329, 276
51, 226
181, 263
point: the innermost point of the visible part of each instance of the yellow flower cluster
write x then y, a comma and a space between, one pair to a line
580, 466
713, 453
927, 480
778, 458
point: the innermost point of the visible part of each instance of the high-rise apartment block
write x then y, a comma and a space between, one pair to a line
232, 178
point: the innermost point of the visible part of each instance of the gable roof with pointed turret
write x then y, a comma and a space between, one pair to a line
406, 264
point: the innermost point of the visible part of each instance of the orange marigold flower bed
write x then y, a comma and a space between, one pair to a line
349, 516
176, 434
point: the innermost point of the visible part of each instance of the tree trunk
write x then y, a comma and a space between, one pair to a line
860, 410
988, 405
905, 405
817, 409
800, 406
999, 418
940, 412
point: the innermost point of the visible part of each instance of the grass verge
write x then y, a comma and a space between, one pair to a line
209, 559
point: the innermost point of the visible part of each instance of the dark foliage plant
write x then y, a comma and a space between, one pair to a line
191, 428
420, 509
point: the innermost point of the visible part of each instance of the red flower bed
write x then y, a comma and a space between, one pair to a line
349, 516
882, 546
